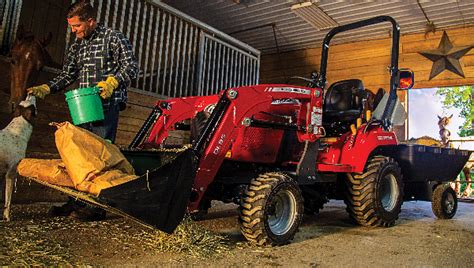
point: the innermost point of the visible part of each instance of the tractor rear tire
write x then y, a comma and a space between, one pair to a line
271, 210
444, 202
375, 197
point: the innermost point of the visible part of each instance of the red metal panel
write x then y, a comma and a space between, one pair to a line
350, 152
256, 145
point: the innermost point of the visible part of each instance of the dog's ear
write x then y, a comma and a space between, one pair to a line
18, 111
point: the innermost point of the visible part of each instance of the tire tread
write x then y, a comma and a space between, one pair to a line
361, 192
252, 215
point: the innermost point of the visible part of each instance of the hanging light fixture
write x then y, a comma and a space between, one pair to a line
314, 15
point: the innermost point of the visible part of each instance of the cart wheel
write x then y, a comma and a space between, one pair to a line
375, 197
271, 210
444, 202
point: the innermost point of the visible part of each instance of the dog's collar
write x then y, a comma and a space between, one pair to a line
24, 119
29, 121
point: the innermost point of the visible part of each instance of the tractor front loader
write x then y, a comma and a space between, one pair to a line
279, 151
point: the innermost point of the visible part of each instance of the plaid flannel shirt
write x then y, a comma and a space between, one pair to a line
104, 53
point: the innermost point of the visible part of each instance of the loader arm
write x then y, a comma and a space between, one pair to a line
237, 109
176, 110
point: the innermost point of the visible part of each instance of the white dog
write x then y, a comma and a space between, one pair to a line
13, 141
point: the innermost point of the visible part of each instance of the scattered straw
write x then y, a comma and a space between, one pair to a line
29, 242
189, 238
28, 247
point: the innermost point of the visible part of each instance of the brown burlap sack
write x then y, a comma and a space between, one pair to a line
105, 180
49, 170
85, 154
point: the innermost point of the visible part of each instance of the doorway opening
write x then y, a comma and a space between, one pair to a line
424, 107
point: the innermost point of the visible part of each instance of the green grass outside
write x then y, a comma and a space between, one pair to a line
463, 181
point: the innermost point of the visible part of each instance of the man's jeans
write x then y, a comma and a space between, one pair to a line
106, 128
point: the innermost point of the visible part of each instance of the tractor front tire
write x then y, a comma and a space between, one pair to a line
375, 197
444, 202
271, 210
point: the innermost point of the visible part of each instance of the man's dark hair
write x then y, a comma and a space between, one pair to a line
83, 9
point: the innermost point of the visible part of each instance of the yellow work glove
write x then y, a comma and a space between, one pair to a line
107, 87
39, 91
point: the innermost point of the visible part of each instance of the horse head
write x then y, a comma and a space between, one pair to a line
28, 56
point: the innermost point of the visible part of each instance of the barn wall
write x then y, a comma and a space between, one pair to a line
368, 61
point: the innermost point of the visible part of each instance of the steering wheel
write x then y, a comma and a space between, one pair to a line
311, 82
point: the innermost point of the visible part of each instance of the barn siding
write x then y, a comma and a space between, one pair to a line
368, 61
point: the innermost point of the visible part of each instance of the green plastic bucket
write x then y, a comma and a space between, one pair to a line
85, 105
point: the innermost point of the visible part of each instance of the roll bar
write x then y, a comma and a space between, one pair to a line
393, 68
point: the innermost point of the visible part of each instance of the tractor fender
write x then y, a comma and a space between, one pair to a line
357, 148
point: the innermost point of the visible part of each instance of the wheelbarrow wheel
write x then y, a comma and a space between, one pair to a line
375, 197
271, 210
444, 202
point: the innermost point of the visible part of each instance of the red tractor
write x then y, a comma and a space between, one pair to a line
280, 151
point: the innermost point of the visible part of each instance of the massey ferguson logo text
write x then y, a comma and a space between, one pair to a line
384, 138
286, 101
289, 90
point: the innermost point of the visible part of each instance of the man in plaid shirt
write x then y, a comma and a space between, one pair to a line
99, 57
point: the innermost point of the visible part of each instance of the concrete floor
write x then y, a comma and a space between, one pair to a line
325, 240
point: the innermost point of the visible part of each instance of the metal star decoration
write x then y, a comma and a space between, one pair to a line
446, 57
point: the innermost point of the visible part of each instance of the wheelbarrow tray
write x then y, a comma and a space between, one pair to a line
421, 163
158, 198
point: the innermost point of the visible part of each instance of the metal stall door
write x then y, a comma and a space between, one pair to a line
223, 65
177, 54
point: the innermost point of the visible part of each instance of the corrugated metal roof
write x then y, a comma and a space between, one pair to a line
293, 32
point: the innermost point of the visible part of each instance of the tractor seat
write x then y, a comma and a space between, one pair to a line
344, 101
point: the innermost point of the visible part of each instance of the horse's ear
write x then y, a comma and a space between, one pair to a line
39, 65
451, 116
20, 33
439, 117
45, 41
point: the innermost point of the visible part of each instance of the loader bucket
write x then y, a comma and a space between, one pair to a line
158, 198
160, 195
